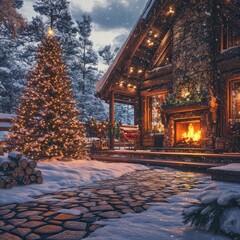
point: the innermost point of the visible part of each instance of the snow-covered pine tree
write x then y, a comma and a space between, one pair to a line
107, 55
87, 75
47, 122
123, 113
11, 68
65, 28
9, 16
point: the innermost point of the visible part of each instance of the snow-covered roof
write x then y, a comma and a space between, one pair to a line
5, 125
100, 84
6, 116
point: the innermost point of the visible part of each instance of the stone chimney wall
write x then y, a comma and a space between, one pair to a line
192, 51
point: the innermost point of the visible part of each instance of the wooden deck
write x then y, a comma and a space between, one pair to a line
186, 160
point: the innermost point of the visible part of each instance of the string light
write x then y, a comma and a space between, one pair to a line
47, 121
170, 11
150, 43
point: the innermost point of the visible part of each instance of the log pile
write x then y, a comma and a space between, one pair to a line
17, 169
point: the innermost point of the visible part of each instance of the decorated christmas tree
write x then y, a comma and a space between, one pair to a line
47, 123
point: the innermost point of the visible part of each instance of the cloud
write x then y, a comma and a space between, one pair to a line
101, 37
109, 14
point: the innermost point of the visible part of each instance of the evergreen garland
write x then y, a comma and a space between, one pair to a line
187, 92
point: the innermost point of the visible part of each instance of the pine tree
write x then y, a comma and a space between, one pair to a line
9, 16
47, 122
11, 71
107, 55
87, 75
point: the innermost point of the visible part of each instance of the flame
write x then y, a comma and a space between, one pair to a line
191, 134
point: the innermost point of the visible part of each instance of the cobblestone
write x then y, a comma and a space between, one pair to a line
74, 213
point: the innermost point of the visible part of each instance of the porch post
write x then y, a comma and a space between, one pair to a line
111, 120
138, 114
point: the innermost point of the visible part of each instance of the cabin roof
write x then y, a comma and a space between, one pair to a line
140, 53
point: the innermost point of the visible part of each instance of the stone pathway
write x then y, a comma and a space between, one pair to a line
73, 213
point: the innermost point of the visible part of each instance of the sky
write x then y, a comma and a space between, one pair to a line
112, 19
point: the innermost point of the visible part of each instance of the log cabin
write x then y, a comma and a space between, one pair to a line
180, 69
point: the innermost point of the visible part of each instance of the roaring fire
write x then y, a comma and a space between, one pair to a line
191, 134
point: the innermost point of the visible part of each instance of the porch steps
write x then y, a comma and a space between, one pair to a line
166, 163
186, 150
200, 161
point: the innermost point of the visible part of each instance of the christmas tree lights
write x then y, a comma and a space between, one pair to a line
47, 123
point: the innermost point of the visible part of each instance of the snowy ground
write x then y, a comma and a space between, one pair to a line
160, 221
58, 175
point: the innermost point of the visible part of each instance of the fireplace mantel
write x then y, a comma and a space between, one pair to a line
185, 108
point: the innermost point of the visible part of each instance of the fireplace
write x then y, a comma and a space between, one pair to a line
188, 132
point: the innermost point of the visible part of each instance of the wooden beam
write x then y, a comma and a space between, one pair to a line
162, 48
111, 119
141, 35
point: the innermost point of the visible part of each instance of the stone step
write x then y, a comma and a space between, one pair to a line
167, 163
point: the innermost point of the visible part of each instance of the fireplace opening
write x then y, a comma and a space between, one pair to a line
188, 133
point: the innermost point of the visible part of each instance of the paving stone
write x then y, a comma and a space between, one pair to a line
2, 223
9, 206
89, 204
94, 227
33, 224
122, 188
146, 206
48, 229
40, 209
102, 203
7, 227
33, 236
73, 206
117, 202
9, 236
21, 208
89, 220
4, 211
138, 209
127, 210
158, 199
73, 225
101, 208
68, 235
87, 215
110, 214
55, 222
48, 213
17, 221
149, 193
64, 216
35, 218
105, 192
9, 215
81, 209
28, 213
121, 206
136, 204
30, 204
21, 231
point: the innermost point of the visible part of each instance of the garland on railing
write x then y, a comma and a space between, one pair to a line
186, 93
102, 129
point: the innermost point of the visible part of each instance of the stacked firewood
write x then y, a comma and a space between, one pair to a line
17, 169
